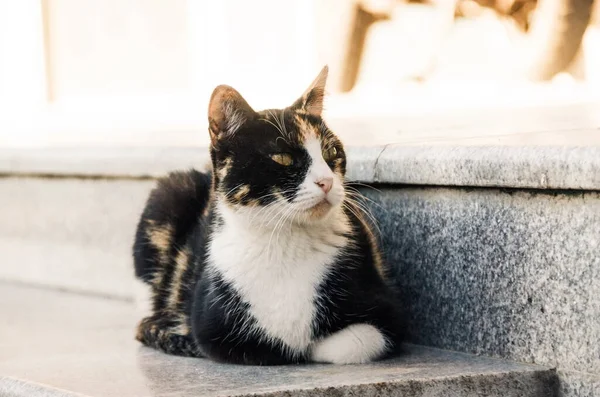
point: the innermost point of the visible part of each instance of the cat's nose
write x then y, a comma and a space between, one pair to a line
325, 184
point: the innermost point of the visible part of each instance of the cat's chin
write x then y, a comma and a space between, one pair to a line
320, 211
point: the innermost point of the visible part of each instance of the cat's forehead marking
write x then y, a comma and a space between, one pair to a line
306, 130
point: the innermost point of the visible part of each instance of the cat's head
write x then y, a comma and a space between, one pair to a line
276, 164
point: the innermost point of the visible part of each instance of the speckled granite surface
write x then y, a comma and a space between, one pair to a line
577, 384
518, 167
512, 274
538, 167
85, 345
13, 387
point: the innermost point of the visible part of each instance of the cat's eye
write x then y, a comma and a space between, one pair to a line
330, 154
283, 159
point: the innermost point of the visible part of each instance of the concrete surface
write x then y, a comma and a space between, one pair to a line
516, 167
510, 273
13, 387
573, 383
507, 273
85, 345
537, 167
73, 227
137, 162
70, 233
534, 147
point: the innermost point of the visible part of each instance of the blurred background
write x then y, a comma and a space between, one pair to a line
140, 72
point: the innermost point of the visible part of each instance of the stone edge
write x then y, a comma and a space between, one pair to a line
14, 387
534, 167
531, 380
541, 167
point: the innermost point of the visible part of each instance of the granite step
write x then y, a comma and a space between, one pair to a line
64, 344
69, 214
494, 247
510, 273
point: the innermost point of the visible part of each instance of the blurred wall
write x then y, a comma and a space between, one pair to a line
91, 70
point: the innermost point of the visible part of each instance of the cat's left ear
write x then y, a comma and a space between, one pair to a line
312, 100
227, 112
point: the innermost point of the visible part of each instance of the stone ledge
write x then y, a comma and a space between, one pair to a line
12, 387
576, 168
533, 167
114, 162
504, 273
70, 233
91, 341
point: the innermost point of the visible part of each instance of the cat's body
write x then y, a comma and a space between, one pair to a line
267, 261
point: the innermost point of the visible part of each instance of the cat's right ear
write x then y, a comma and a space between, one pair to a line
227, 112
312, 100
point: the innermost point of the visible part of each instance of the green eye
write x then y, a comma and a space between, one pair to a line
283, 159
330, 154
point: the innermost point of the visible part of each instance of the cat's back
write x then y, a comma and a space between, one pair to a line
170, 233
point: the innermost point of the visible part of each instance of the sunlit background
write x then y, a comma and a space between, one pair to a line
140, 72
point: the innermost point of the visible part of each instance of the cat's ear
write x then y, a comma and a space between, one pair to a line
312, 100
227, 112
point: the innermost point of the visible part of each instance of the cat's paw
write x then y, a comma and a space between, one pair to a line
355, 344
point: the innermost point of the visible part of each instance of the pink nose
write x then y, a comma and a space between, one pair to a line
325, 184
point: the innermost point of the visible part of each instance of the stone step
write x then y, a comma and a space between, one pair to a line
69, 215
64, 344
495, 248
503, 272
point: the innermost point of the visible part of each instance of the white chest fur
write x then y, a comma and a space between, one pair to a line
278, 273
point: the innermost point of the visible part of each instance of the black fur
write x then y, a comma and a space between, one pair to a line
195, 311
178, 199
354, 293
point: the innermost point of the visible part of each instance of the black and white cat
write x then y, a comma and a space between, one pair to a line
268, 260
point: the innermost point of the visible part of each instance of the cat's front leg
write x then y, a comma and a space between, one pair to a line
355, 344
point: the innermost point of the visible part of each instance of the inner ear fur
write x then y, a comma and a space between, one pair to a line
312, 100
227, 112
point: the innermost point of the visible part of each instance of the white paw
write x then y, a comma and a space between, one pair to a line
355, 344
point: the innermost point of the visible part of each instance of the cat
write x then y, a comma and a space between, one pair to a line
268, 259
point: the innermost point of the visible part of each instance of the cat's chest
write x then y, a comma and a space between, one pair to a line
278, 275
